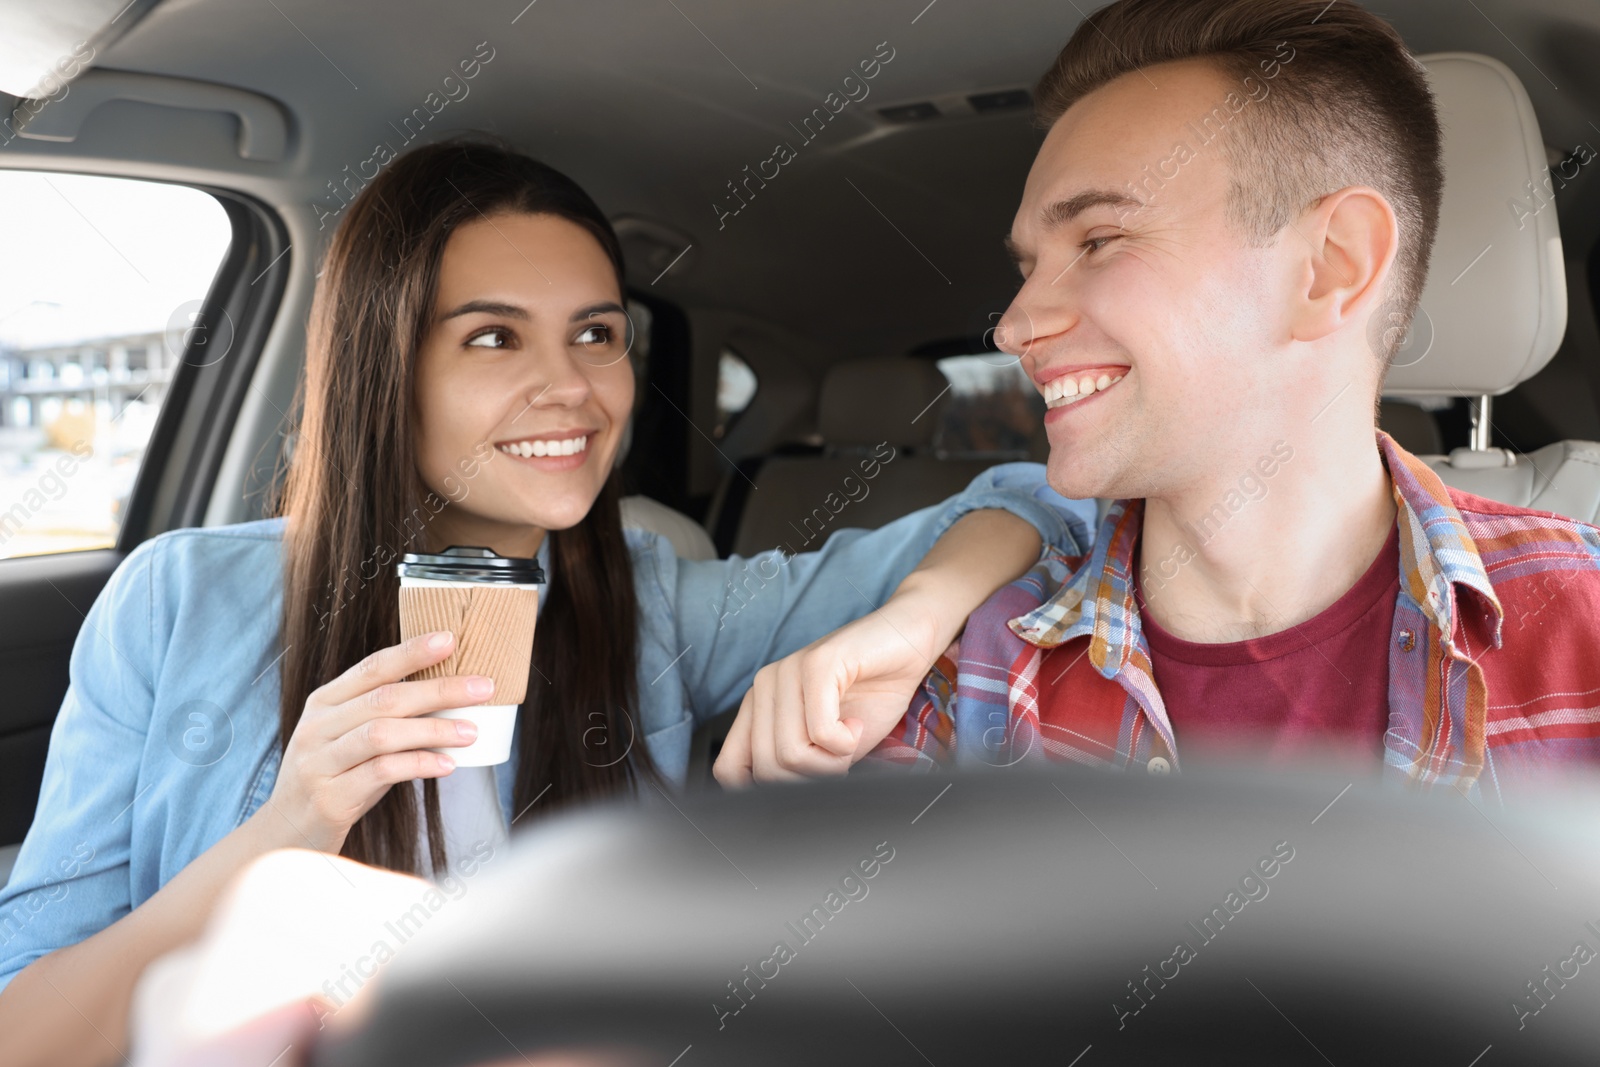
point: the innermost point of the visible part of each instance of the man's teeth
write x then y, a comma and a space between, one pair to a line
568, 447
1060, 392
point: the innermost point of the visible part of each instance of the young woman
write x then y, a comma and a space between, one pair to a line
239, 689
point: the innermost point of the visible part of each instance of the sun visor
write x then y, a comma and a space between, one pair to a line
43, 46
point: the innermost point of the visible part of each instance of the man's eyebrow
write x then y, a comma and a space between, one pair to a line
609, 307
486, 307
1064, 211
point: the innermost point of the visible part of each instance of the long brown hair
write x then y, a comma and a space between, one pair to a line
355, 500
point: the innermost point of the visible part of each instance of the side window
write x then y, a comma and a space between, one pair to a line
100, 280
993, 410
736, 388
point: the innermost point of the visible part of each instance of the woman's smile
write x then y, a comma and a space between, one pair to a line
562, 450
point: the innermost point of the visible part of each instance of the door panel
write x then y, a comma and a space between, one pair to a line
44, 597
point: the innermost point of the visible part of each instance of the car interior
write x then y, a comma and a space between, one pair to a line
787, 329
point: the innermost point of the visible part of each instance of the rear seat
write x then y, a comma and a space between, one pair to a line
688, 539
878, 417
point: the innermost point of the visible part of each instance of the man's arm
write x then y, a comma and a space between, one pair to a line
819, 710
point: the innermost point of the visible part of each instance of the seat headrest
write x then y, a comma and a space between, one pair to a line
1494, 309
884, 398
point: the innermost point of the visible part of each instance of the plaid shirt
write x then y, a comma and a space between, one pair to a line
1494, 657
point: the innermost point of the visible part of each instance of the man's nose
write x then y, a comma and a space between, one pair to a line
1014, 333
1041, 310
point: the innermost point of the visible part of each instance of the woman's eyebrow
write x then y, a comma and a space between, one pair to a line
486, 307
609, 307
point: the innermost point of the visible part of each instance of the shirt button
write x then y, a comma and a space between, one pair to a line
1408, 640
1158, 765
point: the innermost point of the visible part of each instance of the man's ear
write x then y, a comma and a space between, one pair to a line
1352, 237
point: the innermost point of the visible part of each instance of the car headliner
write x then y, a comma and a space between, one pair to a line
876, 238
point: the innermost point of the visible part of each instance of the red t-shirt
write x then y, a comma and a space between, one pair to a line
1318, 690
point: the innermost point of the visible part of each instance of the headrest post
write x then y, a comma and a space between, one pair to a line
1479, 441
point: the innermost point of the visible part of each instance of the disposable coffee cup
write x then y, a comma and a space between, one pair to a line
490, 602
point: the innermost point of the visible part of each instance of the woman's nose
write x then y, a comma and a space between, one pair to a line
562, 379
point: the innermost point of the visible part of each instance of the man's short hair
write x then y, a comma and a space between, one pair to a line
1351, 107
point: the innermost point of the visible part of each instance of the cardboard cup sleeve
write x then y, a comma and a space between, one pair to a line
493, 627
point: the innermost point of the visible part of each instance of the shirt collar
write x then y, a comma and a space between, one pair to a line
1097, 598
1437, 555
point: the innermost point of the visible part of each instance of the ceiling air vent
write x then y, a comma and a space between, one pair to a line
982, 104
910, 112
1002, 100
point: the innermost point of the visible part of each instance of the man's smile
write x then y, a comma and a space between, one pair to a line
1068, 385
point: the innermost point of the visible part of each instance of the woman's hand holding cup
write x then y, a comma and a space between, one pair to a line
363, 732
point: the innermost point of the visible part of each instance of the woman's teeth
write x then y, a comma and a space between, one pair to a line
1060, 392
568, 447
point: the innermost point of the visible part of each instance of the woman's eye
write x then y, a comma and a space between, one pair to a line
493, 338
597, 334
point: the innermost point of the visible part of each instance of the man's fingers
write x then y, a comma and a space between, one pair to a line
789, 738
750, 752
392, 664
812, 762
766, 765
796, 755
763, 746
732, 768
781, 750
856, 728
819, 687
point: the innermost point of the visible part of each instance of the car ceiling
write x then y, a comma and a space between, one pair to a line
877, 237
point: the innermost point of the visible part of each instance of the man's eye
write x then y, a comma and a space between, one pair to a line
597, 334
1095, 244
495, 337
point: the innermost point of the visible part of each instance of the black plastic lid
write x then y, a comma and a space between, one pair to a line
469, 563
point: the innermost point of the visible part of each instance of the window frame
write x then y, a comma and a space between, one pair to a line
178, 472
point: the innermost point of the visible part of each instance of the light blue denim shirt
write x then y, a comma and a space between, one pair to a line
168, 737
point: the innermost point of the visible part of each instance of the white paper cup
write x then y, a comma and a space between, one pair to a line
495, 722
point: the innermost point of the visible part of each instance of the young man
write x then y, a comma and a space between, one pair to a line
1229, 194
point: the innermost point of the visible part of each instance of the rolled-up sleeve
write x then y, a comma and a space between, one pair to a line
71, 879
736, 615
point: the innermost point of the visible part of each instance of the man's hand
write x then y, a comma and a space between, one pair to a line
829, 704
819, 710
816, 712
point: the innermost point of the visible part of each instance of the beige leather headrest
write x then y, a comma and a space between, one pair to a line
884, 398
1495, 306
